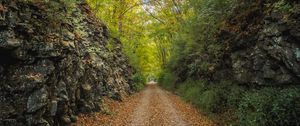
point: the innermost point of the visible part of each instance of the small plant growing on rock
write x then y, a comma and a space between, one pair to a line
283, 6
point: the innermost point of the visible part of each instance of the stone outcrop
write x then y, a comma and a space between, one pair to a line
54, 63
262, 45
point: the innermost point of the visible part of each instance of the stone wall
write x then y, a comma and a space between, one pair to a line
54, 63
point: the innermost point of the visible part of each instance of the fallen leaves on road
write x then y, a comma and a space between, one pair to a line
162, 109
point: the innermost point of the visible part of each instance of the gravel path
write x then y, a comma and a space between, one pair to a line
151, 107
141, 114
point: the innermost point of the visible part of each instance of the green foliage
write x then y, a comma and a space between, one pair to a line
270, 106
283, 6
110, 45
93, 49
126, 21
210, 98
139, 81
194, 47
254, 106
167, 80
191, 90
195, 53
180, 47
210, 101
233, 96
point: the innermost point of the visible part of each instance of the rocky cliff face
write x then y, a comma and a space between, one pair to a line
262, 43
54, 63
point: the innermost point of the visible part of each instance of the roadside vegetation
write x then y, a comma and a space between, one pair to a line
195, 60
180, 44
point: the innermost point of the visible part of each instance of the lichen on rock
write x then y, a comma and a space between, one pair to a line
48, 73
265, 51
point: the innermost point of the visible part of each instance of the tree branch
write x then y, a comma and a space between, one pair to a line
152, 15
133, 6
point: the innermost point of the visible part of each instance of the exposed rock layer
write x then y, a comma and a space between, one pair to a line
262, 45
54, 63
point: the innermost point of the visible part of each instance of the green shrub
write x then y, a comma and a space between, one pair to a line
256, 107
253, 107
191, 93
218, 97
210, 101
270, 106
167, 80
208, 98
286, 108
234, 95
283, 6
139, 81
191, 90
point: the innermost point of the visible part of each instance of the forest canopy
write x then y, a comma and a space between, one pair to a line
151, 30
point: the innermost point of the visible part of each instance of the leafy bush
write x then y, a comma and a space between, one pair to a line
283, 6
267, 106
139, 81
270, 106
204, 96
167, 80
191, 90
210, 101
286, 107
233, 96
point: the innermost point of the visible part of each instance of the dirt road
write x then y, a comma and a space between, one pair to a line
151, 107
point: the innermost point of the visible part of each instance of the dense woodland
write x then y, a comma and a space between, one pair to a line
237, 61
